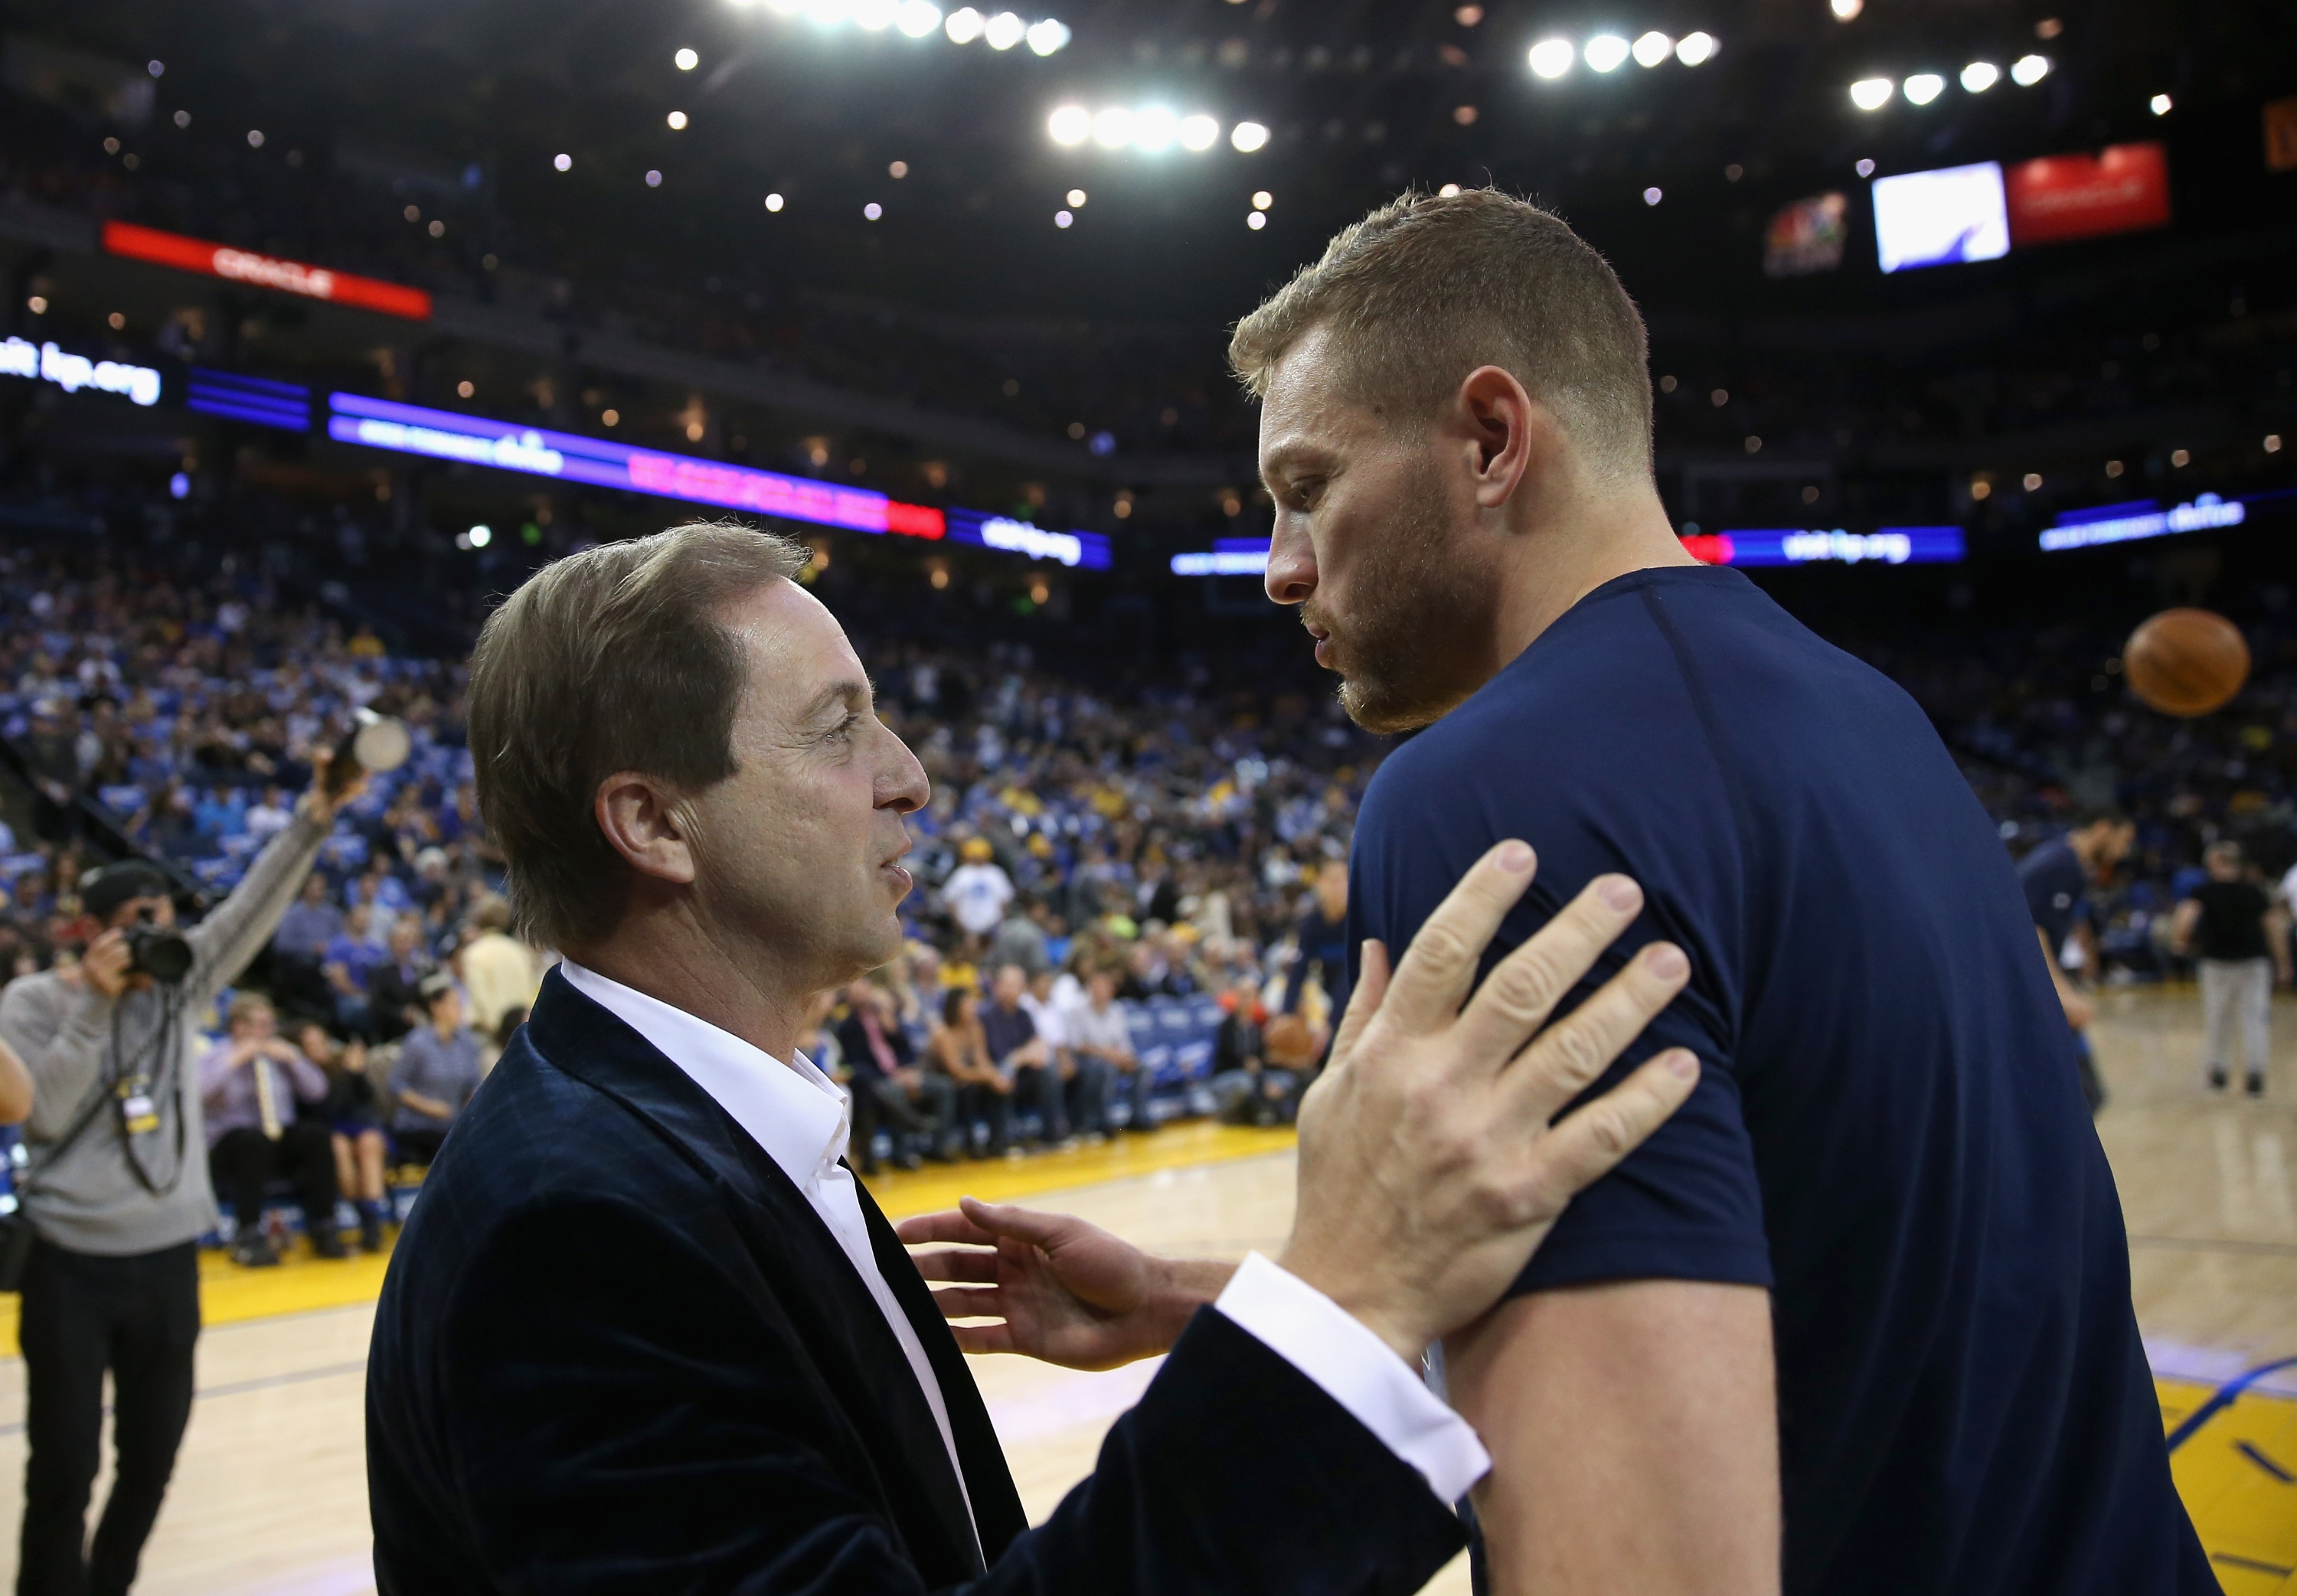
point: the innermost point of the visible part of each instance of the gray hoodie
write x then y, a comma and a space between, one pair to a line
91, 1199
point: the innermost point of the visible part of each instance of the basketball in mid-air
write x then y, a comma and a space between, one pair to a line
1291, 1042
2185, 662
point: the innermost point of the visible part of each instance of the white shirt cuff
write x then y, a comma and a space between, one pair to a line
1358, 1370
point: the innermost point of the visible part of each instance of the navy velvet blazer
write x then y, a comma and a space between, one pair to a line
618, 1351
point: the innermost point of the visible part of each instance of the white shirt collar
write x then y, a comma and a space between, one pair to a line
793, 1111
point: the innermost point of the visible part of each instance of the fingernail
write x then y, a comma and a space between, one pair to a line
1619, 892
1685, 1065
1665, 960
1515, 857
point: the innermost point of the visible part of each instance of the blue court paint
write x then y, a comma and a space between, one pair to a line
2224, 1397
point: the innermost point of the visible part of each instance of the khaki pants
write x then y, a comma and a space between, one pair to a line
2236, 991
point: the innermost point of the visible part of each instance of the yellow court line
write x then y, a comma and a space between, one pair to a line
229, 1294
901, 1193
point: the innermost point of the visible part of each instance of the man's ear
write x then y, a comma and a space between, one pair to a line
642, 820
1513, 434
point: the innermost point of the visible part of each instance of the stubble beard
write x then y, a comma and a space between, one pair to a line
1414, 645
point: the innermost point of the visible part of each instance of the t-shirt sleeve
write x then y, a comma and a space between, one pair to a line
1687, 1204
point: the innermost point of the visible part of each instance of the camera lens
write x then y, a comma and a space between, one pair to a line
159, 953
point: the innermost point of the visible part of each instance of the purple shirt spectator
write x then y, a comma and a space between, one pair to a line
230, 1097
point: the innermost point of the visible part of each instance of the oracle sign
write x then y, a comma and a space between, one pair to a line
265, 271
2120, 189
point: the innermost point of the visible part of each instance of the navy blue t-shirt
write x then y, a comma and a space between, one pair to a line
1889, 1132
2056, 886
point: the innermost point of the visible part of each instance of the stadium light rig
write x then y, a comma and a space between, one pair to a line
1151, 129
1872, 93
1553, 58
921, 19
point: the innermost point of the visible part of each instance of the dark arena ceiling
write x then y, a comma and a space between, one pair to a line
868, 197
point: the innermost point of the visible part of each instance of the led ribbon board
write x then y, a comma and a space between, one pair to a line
47, 363
1890, 546
1088, 549
266, 271
2139, 519
258, 401
569, 456
1230, 557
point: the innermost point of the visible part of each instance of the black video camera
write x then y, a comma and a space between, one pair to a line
158, 951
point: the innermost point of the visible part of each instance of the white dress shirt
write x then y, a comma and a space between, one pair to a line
801, 1120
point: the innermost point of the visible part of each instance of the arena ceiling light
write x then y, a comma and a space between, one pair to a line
1922, 88
1151, 129
1696, 49
1980, 76
2027, 70
1551, 58
1155, 130
1605, 53
1652, 48
920, 19
1872, 93
1248, 136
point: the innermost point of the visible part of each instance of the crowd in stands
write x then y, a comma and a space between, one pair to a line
1132, 890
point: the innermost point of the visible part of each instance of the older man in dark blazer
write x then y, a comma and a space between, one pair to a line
645, 1333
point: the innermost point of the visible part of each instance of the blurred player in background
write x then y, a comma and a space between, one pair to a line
2057, 877
2233, 931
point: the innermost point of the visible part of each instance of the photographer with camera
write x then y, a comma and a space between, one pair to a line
117, 1193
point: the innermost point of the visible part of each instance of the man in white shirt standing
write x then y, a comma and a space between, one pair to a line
646, 1331
978, 890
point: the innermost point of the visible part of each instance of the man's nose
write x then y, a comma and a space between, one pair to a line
1291, 576
904, 787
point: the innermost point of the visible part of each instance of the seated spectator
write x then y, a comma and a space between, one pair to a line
250, 1086
268, 819
394, 1001
505, 1028
499, 972
1022, 1056
310, 925
1083, 1082
958, 1050
350, 961
1097, 1029
354, 1117
378, 891
1246, 1090
888, 1088
1322, 933
437, 1071
978, 890
1020, 938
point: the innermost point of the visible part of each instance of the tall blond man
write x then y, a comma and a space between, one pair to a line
1858, 1318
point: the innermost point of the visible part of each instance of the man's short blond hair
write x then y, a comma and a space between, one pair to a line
1428, 288
610, 660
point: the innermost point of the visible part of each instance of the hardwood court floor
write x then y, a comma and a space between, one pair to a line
269, 1501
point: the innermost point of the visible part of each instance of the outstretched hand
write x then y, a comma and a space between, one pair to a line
1054, 1287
